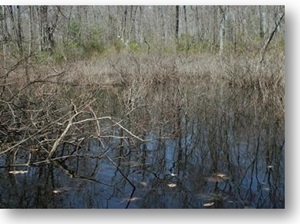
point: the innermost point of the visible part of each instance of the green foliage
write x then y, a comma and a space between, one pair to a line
94, 46
59, 55
42, 57
72, 45
72, 49
135, 47
75, 32
192, 44
94, 43
118, 45
281, 44
79, 47
199, 46
183, 41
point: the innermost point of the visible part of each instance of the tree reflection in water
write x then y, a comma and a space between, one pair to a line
200, 151
161, 173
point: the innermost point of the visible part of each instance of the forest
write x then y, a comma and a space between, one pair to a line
79, 32
180, 100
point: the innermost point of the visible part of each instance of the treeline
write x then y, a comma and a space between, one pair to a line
68, 32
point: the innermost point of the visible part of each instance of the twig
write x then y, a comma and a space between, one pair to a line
129, 132
57, 141
92, 119
98, 129
126, 178
39, 131
12, 111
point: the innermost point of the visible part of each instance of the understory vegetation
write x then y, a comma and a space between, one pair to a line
45, 106
222, 78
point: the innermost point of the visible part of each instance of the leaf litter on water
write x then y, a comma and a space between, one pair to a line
172, 185
15, 172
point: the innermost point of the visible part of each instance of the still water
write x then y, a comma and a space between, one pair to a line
219, 150
157, 173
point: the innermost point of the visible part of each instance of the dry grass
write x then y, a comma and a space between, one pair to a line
143, 94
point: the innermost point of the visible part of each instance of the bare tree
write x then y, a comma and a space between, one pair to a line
177, 23
4, 30
263, 22
222, 28
215, 28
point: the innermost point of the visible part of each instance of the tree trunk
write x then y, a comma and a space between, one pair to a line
133, 33
214, 29
177, 24
124, 24
186, 29
222, 30
263, 22
16, 26
30, 28
19, 32
47, 30
140, 31
162, 19
43, 27
3, 32
197, 23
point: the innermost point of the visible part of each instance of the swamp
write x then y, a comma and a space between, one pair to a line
183, 111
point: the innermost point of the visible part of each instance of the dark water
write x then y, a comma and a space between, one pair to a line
159, 173
220, 152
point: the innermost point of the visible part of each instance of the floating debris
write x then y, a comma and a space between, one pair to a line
222, 175
133, 199
131, 164
130, 199
172, 185
210, 196
59, 190
144, 184
215, 179
209, 204
14, 172
218, 177
266, 189
63, 189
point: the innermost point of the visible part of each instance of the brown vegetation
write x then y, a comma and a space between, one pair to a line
76, 102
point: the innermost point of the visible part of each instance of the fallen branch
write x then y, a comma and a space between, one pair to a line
57, 141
